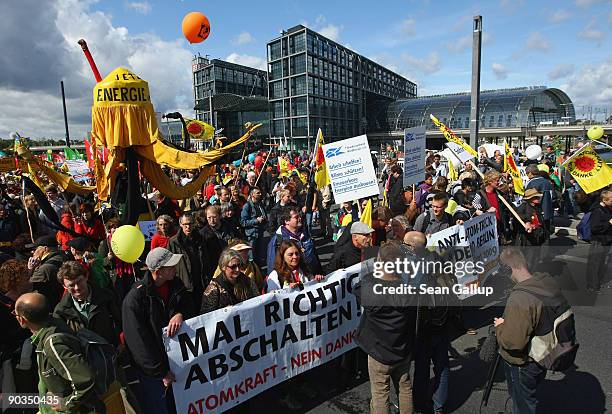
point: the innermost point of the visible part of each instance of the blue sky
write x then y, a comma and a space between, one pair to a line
561, 44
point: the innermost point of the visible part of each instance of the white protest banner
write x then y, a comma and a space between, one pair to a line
459, 152
471, 249
350, 169
148, 228
414, 155
78, 169
225, 357
481, 231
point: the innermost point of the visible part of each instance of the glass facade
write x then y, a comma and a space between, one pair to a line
501, 108
214, 77
317, 83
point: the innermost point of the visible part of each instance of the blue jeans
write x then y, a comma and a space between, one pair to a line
523, 380
570, 206
433, 348
152, 396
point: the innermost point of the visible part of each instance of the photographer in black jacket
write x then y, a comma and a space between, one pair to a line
386, 332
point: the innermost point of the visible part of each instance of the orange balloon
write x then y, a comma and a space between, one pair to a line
196, 27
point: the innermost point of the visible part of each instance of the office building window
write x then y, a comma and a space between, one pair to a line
300, 126
277, 109
509, 120
276, 89
298, 64
275, 50
298, 85
298, 42
276, 70
299, 106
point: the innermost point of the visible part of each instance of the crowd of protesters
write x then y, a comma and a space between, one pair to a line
254, 229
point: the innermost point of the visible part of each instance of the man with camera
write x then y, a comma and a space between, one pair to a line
536, 333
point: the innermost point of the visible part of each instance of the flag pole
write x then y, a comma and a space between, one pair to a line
263, 166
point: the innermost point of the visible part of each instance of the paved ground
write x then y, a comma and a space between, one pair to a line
587, 389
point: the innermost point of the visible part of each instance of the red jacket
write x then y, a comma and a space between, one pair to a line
63, 237
94, 232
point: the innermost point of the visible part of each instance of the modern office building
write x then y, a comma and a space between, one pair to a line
315, 82
500, 108
227, 95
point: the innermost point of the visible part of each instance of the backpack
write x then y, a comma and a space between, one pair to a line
584, 228
100, 356
553, 344
427, 220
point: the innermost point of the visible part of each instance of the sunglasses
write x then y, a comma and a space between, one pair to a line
233, 267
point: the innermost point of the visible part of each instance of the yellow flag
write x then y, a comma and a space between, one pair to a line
199, 130
366, 214
511, 168
452, 172
589, 170
321, 175
451, 137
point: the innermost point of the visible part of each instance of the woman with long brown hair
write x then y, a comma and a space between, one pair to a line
289, 268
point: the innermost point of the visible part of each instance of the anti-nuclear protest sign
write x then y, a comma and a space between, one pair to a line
471, 248
414, 155
350, 169
225, 357
459, 151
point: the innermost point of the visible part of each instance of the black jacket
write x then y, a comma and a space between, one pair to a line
44, 277
397, 203
145, 315
104, 314
387, 326
274, 222
184, 270
345, 256
601, 229
215, 242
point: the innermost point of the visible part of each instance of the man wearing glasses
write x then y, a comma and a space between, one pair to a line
87, 305
193, 269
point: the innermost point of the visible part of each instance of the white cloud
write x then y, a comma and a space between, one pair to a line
427, 65
142, 7
465, 43
590, 33
459, 45
561, 71
500, 71
247, 60
30, 94
408, 26
591, 84
243, 38
329, 30
537, 42
559, 16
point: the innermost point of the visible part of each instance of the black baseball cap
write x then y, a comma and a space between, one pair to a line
48, 241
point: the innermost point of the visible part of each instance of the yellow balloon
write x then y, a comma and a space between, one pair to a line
595, 132
128, 243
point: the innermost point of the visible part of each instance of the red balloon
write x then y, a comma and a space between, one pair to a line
258, 161
196, 27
